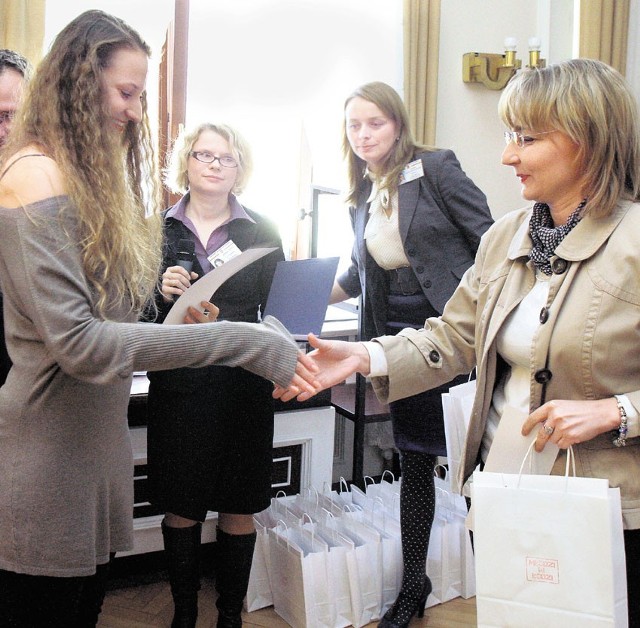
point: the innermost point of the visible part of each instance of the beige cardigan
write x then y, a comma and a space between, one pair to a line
588, 348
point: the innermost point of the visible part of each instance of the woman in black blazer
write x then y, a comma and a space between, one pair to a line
210, 430
417, 220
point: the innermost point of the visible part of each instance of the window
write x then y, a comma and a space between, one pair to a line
279, 71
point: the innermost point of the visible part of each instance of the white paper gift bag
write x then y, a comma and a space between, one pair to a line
391, 543
259, 589
299, 577
311, 503
280, 509
549, 551
387, 491
364, 567
444, 566
335, 502
341, 551
456, 406
461, 561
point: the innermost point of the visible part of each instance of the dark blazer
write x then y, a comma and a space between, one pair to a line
442, 216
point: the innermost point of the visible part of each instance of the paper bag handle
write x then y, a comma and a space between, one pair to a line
312, 529
377, 503
310, 491
440, 468
571, 461
570, 456
282, 536
393, 477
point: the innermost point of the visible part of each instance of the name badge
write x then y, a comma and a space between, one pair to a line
412, 170
226, 252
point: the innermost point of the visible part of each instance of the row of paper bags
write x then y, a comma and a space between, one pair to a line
334, 559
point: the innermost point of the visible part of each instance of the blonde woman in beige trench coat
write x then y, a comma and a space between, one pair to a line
550, 312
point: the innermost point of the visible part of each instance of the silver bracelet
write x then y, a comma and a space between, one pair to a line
621, 439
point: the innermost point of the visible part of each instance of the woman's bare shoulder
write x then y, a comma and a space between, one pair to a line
30, 176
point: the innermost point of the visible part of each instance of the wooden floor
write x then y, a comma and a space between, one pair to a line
145, 605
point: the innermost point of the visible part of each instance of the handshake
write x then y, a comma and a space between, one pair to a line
329, 363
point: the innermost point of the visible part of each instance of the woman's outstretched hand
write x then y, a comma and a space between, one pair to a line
334, 361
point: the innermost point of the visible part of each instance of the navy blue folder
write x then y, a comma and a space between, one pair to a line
300, 293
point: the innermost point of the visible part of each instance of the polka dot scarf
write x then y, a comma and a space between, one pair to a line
546, 237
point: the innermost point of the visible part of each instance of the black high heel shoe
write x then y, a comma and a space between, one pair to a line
405, 607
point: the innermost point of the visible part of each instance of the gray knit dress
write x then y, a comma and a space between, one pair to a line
66, 488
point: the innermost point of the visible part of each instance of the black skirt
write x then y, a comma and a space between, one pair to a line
210, 441
417, 421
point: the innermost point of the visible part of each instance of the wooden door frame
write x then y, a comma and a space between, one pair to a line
172, 90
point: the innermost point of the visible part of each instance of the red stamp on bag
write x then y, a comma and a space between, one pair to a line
542, 570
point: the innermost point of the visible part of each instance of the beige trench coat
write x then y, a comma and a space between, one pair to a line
588, 345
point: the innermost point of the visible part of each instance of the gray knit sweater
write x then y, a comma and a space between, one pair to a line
66, 488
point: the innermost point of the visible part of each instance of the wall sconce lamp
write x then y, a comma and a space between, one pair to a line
494, 71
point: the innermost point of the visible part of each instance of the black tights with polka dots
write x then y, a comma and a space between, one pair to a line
417, 508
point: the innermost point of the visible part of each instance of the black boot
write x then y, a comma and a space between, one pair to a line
92, 597
182, 547
234, 555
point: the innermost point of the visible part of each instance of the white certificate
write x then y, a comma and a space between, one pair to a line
205, 287
509, 447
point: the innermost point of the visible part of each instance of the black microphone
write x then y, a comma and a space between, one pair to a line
186, 254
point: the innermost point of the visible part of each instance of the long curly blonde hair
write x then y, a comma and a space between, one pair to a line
111, 180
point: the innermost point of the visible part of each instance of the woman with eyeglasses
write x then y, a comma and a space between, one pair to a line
549, 312
417, 220
210, 430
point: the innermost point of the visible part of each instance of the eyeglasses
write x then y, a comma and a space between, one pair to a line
7, 116
521, 140
208, 158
